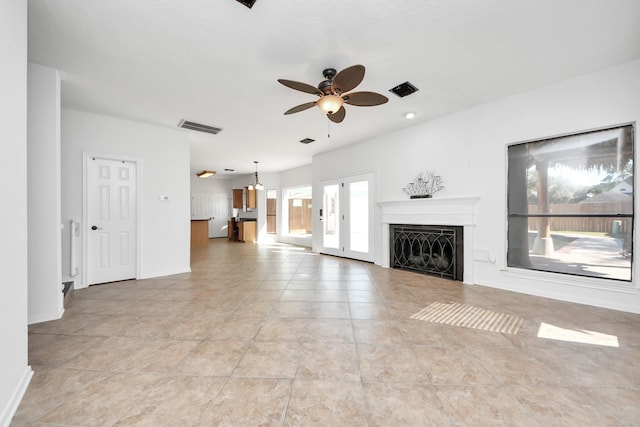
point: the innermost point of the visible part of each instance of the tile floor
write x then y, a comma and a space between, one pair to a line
273, 335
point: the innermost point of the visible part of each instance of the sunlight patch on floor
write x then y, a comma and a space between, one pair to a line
469, 316
576, 335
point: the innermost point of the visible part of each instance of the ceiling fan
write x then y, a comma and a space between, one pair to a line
333, 94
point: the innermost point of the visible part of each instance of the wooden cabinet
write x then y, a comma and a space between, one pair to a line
237, 198
252, 199
244, 198
242, 231
199, 233
247, 231
232, 230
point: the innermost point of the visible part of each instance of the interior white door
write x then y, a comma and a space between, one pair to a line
220, 215
347, 217
111, 220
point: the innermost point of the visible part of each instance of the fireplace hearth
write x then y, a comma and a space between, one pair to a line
428, 249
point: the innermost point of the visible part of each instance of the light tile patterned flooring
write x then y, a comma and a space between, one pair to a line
273, 335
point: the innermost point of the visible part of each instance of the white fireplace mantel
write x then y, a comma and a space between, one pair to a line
459, 211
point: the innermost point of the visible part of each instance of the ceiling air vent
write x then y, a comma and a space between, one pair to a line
307, 140
248, 3
404, 89
185, 124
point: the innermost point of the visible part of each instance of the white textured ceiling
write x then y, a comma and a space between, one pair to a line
217, 62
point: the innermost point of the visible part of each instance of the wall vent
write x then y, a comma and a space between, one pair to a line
307, 140
248, 3
404, 89
185, 124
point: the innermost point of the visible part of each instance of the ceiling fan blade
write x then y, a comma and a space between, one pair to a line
302, 87
300, 107
347, 79
365, 99
338, 116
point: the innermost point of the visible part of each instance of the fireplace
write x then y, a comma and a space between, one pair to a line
440, 212
436, 250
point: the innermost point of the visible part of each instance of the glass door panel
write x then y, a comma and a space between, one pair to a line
347, 216
331, 217
359, 216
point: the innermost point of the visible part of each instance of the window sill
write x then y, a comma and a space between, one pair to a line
570, 280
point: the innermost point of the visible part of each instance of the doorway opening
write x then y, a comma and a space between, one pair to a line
347, 217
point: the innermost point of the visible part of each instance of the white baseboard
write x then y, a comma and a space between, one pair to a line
45, 317
12, 405
164, 273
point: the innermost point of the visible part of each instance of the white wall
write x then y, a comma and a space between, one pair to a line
43, 193
14, 371
163, 170
210, 186
298, 177
468, 149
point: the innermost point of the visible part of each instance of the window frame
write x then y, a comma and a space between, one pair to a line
570, 277
285, 210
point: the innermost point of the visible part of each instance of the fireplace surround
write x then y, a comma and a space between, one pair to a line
458, 211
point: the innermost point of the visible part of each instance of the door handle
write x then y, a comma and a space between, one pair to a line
94, 227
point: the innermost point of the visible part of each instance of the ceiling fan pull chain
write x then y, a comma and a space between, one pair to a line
328, 128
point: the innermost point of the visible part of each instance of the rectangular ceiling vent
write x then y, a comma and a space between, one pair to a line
404, 89
185, 124
307, 140
248, 3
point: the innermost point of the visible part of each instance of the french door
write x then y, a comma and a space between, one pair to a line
347, 217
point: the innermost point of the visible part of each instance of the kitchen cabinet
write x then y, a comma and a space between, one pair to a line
242, 231
199, 233
237, 198
244, 198
252, 199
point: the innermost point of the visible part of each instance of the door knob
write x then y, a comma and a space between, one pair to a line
94, 227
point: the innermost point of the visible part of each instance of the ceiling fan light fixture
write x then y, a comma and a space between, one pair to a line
334, 92
330, 103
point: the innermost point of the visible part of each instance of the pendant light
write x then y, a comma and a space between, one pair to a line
258, 185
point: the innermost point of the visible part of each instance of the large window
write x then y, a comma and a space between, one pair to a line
297, 211
570, 204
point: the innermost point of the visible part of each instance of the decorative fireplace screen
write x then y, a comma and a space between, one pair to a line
428, 249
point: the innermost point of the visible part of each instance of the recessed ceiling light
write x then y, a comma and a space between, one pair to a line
410, 115
307, 140
228, 170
